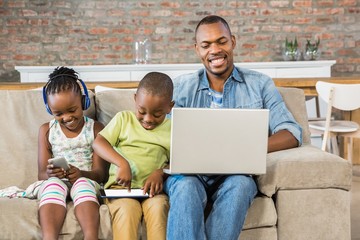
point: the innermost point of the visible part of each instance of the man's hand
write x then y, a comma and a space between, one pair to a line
154, 183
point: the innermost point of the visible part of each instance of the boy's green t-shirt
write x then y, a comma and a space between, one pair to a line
145, 150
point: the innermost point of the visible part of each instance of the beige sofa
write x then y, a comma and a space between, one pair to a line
303, 195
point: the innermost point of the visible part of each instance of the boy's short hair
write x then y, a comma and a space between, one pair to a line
158, 84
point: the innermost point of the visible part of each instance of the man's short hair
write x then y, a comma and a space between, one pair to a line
212, 19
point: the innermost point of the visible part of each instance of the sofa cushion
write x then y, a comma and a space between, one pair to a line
313, 214
305, 167
19, 220
22, 113
262, 213
110, 101
265, 233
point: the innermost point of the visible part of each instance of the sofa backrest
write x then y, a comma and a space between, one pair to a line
294, 99
22, 113
110, 101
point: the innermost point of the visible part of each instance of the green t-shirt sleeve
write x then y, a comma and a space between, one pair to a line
112, 130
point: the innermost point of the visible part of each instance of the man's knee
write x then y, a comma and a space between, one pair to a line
186, 184
242, 184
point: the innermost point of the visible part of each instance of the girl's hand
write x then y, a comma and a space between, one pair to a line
52, 171
124, 176
73, 174
154, 184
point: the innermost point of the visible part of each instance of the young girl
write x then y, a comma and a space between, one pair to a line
70, 134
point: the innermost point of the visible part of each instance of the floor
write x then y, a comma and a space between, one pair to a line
355, 204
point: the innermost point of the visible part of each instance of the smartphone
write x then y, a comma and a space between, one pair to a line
59, 162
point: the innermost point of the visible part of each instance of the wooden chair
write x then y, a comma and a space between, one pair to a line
345, 97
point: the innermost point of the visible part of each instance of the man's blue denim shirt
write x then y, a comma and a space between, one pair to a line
243, 89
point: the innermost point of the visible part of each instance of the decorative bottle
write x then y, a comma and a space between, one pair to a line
142, 49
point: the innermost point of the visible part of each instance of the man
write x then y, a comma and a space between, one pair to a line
222, 85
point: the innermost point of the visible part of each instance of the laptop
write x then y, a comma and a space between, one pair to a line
218, 141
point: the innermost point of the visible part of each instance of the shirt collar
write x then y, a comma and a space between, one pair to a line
236, 75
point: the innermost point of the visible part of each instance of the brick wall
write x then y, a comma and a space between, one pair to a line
85, 32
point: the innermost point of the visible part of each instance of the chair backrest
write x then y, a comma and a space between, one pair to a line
345, 96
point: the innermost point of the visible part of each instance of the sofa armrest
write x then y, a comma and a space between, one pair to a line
305, 167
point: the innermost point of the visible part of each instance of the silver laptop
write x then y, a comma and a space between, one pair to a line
218, 141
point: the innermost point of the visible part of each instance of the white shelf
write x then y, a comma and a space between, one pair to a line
133, 72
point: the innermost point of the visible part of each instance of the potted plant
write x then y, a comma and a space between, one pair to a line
291, 52
312, 50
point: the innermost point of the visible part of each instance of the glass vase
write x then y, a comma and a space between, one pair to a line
311, 54
291, 55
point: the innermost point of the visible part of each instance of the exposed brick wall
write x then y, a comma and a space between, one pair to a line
85, 32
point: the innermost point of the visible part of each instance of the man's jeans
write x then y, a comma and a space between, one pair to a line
188, 199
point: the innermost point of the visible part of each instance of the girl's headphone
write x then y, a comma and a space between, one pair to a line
85, 103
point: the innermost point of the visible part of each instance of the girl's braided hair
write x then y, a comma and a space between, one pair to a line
62, 79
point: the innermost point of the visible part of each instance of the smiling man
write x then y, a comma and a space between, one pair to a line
222, 85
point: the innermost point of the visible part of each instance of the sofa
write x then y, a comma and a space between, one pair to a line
303, 195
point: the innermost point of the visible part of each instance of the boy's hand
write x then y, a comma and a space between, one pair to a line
124, 176
154, 183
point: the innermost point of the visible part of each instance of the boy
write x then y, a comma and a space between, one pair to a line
138, 145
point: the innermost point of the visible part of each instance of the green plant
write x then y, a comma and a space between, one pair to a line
312, 49
291, 50
291, 46
312, 46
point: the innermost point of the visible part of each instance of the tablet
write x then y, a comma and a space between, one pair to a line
123, 193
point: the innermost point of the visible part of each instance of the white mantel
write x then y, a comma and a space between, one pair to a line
133, 72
